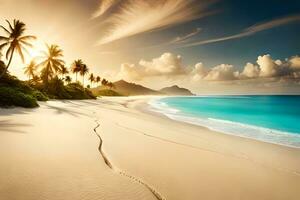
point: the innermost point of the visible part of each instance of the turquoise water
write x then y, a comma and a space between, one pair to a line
274, 119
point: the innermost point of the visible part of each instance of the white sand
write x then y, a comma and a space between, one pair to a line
52, 153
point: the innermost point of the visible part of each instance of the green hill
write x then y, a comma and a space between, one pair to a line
128, 89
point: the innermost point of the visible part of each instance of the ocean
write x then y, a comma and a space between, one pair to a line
274, 119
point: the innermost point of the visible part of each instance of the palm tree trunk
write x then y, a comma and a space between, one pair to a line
9, 62
76, 76
83, 80
47, 79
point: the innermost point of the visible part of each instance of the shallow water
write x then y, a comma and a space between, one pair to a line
274, 119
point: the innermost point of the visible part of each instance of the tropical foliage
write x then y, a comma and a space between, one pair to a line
52, 63
76, 67
30, 69
14, 41
18, 93
83, 71
48, 75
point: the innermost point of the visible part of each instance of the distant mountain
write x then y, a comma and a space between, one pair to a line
124, 88
128, 89
175, 90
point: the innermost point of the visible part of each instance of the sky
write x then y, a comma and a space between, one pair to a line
208, 46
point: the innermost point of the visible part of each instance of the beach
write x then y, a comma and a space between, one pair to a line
116, 148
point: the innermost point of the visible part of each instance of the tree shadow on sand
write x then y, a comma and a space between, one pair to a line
15, 110
82, 103
68, 111
8, 126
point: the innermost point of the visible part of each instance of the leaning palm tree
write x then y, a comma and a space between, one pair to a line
52, 62
63, 71
15, 41
76, 66
68, 79
91, 79
98, 79
83, 71
30, 69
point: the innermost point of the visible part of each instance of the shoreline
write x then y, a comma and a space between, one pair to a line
193, 120
180, 160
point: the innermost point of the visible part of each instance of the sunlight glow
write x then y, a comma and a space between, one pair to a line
35, 51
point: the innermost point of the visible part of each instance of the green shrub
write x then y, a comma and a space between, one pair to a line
107, 92
89, 94
56, 89
39, 95
14, 92
76, 91
27, 93
10, 96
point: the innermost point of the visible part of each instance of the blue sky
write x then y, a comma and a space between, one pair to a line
232, 17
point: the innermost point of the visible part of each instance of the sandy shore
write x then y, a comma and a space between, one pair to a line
111, 149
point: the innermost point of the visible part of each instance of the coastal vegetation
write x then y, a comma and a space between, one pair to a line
107, 92
48, 75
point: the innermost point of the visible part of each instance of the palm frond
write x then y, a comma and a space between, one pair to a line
9, 52
26, 43
28, 37
10, 26
3, 45
20, 53
60, 60
43, 63
5, 29
25, 50
3, 38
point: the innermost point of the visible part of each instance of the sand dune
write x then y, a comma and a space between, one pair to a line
111, 149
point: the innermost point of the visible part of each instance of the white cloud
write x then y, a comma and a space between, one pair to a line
104, 5
251, 30
274, 23
185, 37
267, 66
130, 72
167, 64
295, 62
250, 71
138, 16
199, 72
221, 73
170, 66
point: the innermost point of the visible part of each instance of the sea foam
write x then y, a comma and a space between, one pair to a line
229, 127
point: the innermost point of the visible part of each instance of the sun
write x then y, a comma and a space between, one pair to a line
35, 51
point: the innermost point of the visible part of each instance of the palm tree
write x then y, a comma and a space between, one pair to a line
104, 82
83, 71
52, 62
110, 85
92, 79
63, 71
68, 79
30, 69
15, 41
98, 79
76, 66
